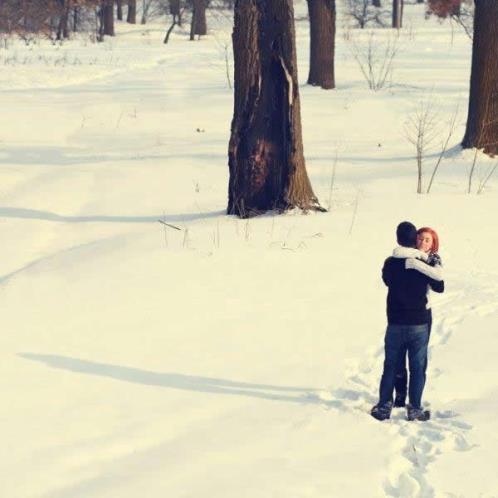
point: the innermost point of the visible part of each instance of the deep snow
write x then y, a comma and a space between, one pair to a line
232, 357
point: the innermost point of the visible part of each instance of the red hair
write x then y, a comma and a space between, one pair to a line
435, 238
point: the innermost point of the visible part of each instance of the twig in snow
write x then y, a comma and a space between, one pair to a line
169, 225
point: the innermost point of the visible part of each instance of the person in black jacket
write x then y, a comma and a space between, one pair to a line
407, 325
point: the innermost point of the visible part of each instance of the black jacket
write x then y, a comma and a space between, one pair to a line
407, 295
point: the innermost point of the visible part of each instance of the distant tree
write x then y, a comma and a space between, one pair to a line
482, 118
322, 15
266, 159
108, 17
198, 24
363, 12
119, 10
175, 11
132, 12
397, 14
105, 15
444, 8
62, 28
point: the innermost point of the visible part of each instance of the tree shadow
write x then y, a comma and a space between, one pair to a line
35, 214
181, 381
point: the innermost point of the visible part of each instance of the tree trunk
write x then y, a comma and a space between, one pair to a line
119, 14
62, 28
175, 11
174, 7
376, 3
397, 14
322, 43
199, 24
108, 17
76, 20
482, 119
132, 12
265, 155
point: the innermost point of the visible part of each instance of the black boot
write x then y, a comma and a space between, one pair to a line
417, 414
382, 412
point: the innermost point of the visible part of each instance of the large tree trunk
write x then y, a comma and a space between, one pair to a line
266, 160
482, 119
397, 14
199, 24
132, 12
322, 43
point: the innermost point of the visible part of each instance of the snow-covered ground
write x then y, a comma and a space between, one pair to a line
231, 358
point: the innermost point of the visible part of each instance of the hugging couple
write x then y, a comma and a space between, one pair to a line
410, 274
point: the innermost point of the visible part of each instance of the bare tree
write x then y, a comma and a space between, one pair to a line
266, 158
482, 120
421, 130
363, 13
376, 59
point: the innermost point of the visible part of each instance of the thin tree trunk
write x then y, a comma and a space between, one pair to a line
76, 19
119, 13
397, 14
266, 159
482, 119
132, 12
322, 16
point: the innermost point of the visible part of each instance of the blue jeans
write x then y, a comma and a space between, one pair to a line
400, 338
401, 379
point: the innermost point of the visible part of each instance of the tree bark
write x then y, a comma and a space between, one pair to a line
132, 12
322, 16
482, 118
119, 13
265, 156
397, 14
